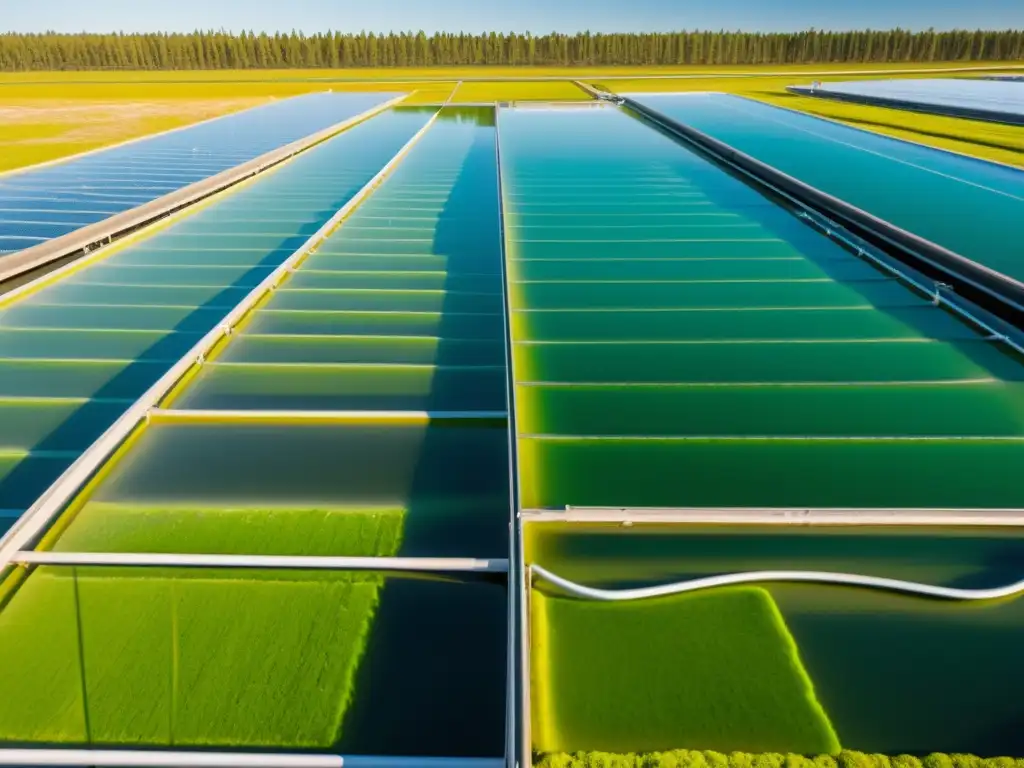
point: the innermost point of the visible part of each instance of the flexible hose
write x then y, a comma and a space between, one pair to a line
753, 577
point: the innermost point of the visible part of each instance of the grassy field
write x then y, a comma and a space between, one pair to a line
717, 670
46, 120
37, 128
48, 115
683, 758
540, 90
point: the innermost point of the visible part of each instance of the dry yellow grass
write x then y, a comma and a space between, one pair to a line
536, 90
36, 130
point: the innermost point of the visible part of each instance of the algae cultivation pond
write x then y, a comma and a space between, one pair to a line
176, 657
773, 667
312, 435
390, 458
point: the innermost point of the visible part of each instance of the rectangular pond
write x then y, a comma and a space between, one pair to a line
705, 347
771, 666
185, 658
285, 487
400, 309
970, 206
106, 331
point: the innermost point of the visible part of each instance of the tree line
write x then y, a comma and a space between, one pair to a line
248, 50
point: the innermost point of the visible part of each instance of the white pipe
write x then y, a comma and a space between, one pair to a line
829, 228
204, 759
67, 485
779, 516
756, 577
185, 414
269, 562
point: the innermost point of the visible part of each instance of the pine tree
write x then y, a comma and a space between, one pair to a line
220, 50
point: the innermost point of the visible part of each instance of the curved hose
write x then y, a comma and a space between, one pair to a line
815, 577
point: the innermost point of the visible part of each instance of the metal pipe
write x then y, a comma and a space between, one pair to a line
937, 292
757, 577
512, 686
405, 417
54, 499
595, 94
778, 516
263, 562
519, 748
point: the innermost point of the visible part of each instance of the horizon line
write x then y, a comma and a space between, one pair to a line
525, 33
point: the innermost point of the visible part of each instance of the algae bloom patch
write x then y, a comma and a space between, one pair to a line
717, 670
165, 657
173, 657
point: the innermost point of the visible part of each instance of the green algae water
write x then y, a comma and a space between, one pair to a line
197, 487
682, 341
94, 340
400, 310
891, 673
347, 331
715, 670
193, 658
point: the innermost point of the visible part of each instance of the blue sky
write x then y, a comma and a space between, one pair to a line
506, 15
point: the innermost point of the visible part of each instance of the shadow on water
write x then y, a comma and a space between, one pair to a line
20, 487
433, 678
26, 481
818, 249
915, 680
466, 235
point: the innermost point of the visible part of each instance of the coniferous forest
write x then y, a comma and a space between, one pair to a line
221, 50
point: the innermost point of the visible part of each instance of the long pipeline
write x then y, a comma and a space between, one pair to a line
761, 577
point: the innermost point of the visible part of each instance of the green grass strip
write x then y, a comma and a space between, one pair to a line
685, 758
713, 670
